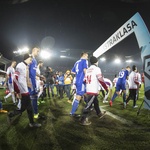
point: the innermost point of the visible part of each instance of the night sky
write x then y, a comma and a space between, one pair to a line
74, 25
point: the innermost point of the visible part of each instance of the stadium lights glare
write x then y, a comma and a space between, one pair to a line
63, 51
21, 51
45, 54
103, 59
129, 61
62, 56
117, 61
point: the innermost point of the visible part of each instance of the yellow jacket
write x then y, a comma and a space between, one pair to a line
68, 78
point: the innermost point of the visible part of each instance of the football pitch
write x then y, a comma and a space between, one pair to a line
119, 129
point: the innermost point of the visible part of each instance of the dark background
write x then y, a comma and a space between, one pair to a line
74, 26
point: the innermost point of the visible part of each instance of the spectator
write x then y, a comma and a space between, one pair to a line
56, 82
49, 74
61, 84
67, 81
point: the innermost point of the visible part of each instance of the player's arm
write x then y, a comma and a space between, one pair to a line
136, 80
29, 84
127, 77
6, 78
40, 76
71, 78
101, 81
65, 76
73, 70
85, 66
84, 70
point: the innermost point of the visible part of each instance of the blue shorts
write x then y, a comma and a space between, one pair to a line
80, 89
33, 89
121, 86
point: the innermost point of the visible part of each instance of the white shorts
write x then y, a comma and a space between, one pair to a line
11, 88
38, 85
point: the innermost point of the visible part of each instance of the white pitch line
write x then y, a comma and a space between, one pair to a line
122, 120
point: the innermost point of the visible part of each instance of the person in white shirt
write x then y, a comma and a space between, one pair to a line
39, 81
9, 80
139, 86
73, 93
133, 86
93, 77
23, 82
109, 86
115, 80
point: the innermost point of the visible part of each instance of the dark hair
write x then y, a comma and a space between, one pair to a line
26, 56
93, 60
40, 62
128, 67
134, 68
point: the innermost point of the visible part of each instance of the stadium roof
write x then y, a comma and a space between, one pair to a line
4, 61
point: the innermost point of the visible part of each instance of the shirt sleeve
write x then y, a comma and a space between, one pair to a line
100, 78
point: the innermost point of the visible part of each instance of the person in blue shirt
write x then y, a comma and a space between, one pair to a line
79, 70
121, 85
32, 75
61, 84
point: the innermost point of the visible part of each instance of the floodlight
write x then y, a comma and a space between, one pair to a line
62, 56
21, 51
45, 54
103, 59
129, 60
117, 60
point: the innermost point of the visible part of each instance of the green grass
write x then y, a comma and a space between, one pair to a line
61, 132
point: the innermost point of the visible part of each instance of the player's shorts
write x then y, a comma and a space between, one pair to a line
120, 87
33, 90
80, 89
11, 88
38, 84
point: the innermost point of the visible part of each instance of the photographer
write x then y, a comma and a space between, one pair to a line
49, 74
67, 81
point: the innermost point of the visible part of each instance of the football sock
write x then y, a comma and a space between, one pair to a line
124, 97
13, 98
8, 95
114, 96
19, 104
74, 106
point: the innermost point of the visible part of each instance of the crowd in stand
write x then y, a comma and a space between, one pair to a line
28, 86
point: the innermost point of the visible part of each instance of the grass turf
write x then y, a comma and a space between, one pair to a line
60, 131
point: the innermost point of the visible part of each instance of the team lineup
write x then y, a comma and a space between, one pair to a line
28, 85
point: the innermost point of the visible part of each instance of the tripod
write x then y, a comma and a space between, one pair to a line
138, 112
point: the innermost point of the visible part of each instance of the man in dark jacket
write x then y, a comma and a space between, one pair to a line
49, 74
